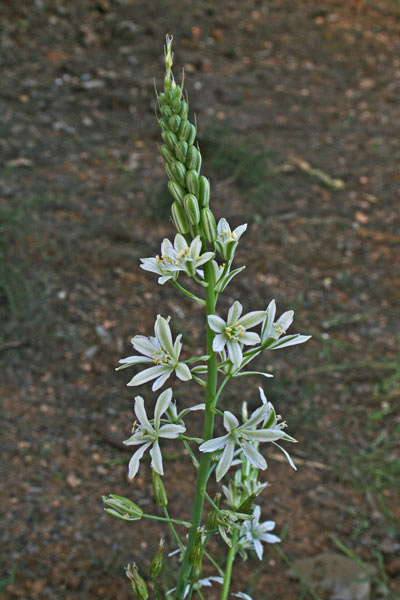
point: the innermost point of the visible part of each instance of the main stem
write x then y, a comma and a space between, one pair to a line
228, 569
204, 467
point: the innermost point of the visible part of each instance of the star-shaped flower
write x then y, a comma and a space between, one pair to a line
227, 240
162, 352
244, 436
147, 433
253, 533
271, 331
232, 332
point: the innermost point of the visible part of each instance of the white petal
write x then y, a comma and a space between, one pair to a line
270, 538
159, 382
267, 326
180, 242
265, 435
156, 458
214, 444
234, 312
235, 353
253, 456
163, 333
223, 225
262, 396
290, 340
216, 323
289, 458
219, 342
249, 338
164, 279
177, 346
163, 401
143, 344
147, 375
195, 247
204, 258
165, 246
183, 372
252, 318
239, 231
258, 548
171, 431
134, 360
285, 320
230, 421
153, 267
141, 414
135, 460
226, 460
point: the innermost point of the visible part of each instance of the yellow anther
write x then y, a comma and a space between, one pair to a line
133, 427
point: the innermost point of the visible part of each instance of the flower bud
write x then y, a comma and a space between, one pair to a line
139, 586
212, 519
184, 130
176, 105
167, 154
183, 113
192, 134
156, 565
193, 159
179, 171
168, 171
166, 111
174, 122
163, 124
208, 225
170, 139
122, 508
177, 191
192, 181
181, 151
160, 495
191, 209
204, 191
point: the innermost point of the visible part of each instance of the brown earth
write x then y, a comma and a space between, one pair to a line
81, 169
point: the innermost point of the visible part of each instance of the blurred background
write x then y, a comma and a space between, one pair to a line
297, 105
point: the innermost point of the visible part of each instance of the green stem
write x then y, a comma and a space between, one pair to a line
187, 293
173, 530
192, 456
204, 467
176, 521
156, 590
228, 569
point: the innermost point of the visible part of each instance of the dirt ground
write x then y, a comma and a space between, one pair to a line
83, 198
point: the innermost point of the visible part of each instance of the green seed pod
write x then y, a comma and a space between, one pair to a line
166, 111
179, 218
160, 495
179, 171
196, 555
163, 124
184, 130
177, 191
139, 586
192, 134
191, 209
192, 181
204, 191
181, 151
174, 122
176, 105
167, 154
156, 565
208, 225
170, 139
183, 113
193, 159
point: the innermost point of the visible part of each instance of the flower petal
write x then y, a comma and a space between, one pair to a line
219, 342
253, 456
159, 382
214, 444
234, 312
235, 353
216, 323
226, 460
145, 345
163, 401
285, 320
156, 458
183, 372
252, 318
267, 329
134, 360
135, 460
148, 375
163, 333
290, 340
171, 431
249, 338
230, 421
141, 414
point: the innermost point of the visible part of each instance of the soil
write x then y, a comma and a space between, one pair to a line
317, 81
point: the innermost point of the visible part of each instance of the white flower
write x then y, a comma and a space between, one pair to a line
232, 332
245, 436
253, 533
162, 352
147, 433
206, 582
271, 421
162, 265
243, 596
227, 240
271, 331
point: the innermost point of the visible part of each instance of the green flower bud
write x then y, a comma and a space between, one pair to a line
179, 218
192, 134
184, 130
177, 191
208, 225
169, 95
247, 505
166, 111
193, 159
179, 171
183, 113
139, 586
163, 124
161, 98
191, 209
192, 181
122, 508
160, 495
212, 519
156, 565
174, 122
177, 91
204, 191
167, 154
168, 171
176, 105
170, 139
181, 151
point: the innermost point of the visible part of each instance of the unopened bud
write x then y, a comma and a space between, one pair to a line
193, 159
179, 171
179, 218
122, 508
208, 225
167, 153
177, 191
156, 565
192, 134
160, 495
192, 181
181, 149
139, 586
196, 555
170, 139
184, 130
204, 191
191, 209
174, 122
